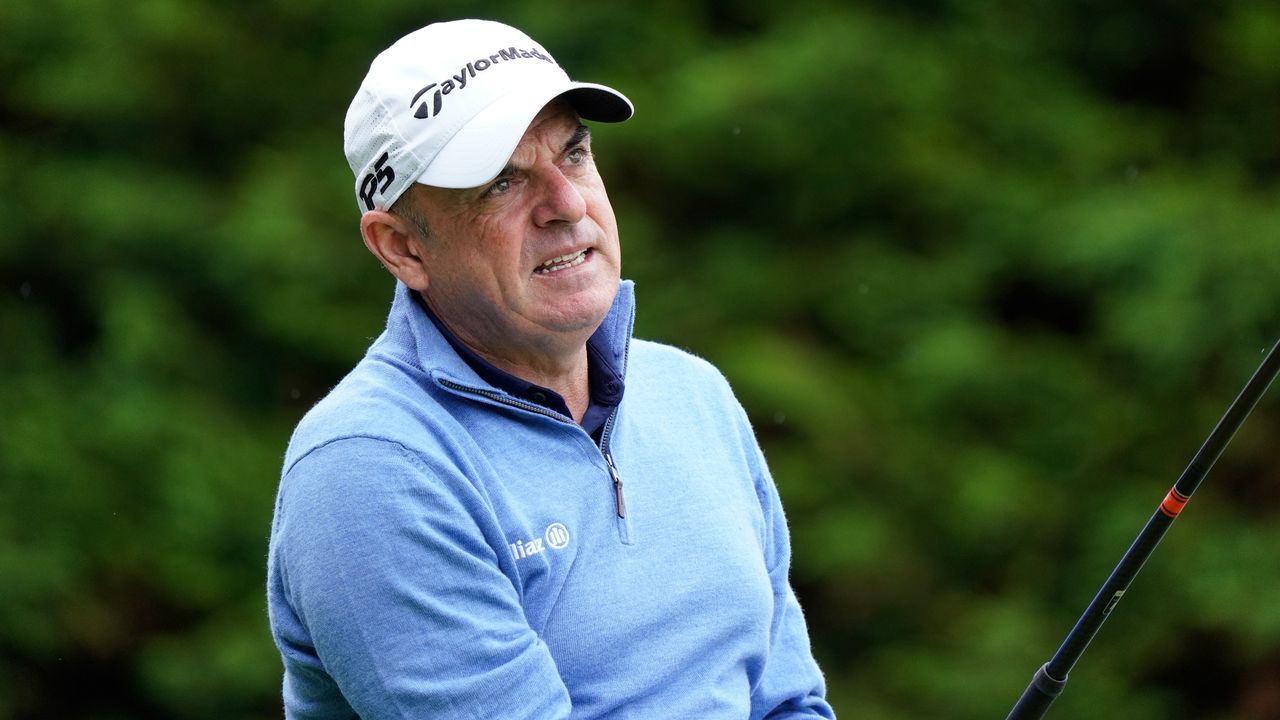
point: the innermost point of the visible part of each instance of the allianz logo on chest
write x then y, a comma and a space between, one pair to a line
556, 537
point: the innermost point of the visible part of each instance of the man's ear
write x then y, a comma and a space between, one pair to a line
395, 242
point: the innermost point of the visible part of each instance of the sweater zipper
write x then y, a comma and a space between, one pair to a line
604, 434
617, 483
613, 467
507, 400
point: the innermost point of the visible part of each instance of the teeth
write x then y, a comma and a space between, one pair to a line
562, 262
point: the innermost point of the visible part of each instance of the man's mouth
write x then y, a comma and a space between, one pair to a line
563, 262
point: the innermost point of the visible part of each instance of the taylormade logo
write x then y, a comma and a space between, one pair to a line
432, 107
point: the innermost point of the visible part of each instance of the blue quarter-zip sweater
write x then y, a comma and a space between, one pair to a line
442, 549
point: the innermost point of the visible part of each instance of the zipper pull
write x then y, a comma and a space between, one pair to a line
617, 484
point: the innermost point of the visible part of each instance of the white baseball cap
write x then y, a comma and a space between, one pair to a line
446, 106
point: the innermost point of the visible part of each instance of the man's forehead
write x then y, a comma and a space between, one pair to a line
557, 116
555, 128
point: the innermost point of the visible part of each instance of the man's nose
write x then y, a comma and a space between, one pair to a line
560, 200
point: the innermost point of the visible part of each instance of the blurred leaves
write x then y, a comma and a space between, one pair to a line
983, 273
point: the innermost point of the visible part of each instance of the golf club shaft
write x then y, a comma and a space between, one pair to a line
1049, 680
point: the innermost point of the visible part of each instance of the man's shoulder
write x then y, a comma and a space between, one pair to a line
645, 353
673, 368
379, 399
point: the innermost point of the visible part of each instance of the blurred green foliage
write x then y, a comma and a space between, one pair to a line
984, 274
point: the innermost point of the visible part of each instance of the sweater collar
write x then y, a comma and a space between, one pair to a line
409, 327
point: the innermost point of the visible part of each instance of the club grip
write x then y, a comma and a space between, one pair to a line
1038, 696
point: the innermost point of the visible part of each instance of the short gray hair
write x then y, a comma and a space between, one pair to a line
407, 208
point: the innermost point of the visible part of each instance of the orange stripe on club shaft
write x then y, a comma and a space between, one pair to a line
1173, 503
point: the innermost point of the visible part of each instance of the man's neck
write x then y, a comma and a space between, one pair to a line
568, 376
564, 369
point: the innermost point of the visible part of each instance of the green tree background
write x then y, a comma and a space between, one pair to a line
983, 272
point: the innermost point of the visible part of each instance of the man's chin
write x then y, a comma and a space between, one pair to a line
582, 308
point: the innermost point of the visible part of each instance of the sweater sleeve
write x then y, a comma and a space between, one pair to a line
387, 598
791, 685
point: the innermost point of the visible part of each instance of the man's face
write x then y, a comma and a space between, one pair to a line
529, 262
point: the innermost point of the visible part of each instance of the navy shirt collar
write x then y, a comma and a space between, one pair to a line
605, 382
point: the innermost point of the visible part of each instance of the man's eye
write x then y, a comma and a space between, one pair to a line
577, 156
498, 187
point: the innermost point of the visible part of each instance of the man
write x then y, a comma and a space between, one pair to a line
480, 521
